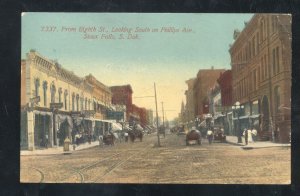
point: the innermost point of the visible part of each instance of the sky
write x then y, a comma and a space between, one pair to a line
165, 49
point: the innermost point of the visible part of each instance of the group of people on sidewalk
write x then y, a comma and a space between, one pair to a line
250, 135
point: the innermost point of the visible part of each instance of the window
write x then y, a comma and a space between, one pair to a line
65, 98
277, 98
81, 103
253, 46
266, 67
261, 30
262, 69
257, 43
73, 102
59, 94
277, 59
254, 79
274, 61
53, 91
85, 104
77, 102
37, 85
45, 86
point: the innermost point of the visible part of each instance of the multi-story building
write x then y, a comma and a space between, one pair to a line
102, 97
206, 79
189, 93
101, 102
225, 84
122, 95
55, 103
261, 74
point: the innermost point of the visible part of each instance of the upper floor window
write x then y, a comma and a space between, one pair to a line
53, 91
77, 102
65, 99
59, 94
73, 101
277, 98
45, 86
37, 86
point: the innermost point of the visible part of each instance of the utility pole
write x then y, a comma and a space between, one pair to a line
156, 116
162, 104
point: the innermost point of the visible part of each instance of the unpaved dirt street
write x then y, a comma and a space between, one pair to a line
174, 162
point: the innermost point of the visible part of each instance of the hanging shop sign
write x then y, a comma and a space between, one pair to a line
56, 105
35, 99
88, 112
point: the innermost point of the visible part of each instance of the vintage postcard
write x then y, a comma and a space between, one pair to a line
155, 98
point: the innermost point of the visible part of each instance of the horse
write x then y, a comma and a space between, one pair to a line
135, 134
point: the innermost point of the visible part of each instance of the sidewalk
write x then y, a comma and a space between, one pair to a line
254, 145
58, 150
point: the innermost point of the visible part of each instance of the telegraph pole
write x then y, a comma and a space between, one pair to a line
162, 104
156, 116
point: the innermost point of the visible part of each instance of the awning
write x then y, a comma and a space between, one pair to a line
244, 117
116, 127
139, 127
255, 116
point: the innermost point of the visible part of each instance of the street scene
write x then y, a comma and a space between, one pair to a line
174, 162
155, 98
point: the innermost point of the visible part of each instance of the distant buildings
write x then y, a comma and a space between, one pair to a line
206, 79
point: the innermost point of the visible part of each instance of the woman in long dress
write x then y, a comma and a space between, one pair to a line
249, 132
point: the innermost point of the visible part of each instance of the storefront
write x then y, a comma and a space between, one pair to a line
64, 127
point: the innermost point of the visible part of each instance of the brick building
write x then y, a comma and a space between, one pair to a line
122, 95
189, 93
206, 79
261, 74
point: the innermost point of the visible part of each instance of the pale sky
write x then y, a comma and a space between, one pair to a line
164, 57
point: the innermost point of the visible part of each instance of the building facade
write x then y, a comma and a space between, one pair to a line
122, 95
189, 93
261, 74
102, 97
206, 79
55, 103
225, 84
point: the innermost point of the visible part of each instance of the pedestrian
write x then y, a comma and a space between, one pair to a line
248, 135
126, 136
254, 134
46, 140
100, 140
209, 135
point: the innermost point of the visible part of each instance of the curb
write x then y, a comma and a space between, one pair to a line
233, 143
56, 153
244, 147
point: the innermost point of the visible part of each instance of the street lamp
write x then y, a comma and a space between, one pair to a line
238, 108
197, 120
